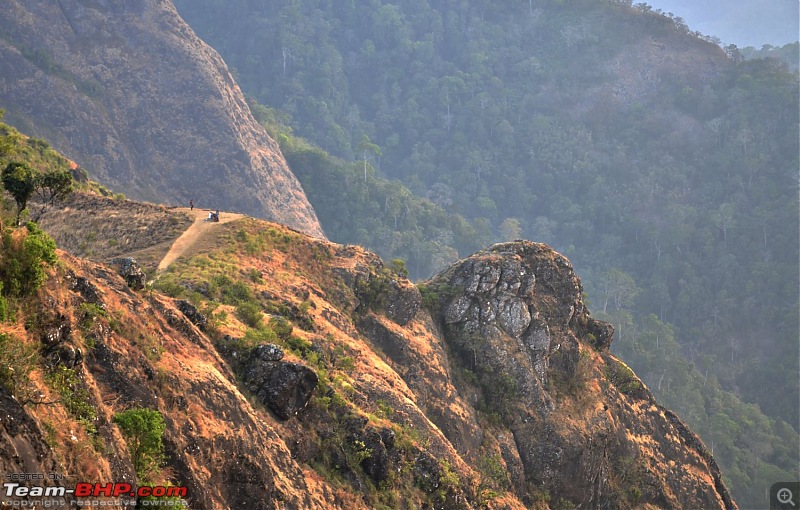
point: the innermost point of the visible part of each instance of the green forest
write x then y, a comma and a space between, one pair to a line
663, 166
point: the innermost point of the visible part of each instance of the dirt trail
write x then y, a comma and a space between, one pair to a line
195, 231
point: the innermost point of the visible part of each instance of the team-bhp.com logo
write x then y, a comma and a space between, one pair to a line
83, 490
120, 491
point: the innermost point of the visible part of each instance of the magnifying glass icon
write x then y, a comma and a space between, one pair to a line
785, 496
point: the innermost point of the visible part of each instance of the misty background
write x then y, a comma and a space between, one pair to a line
743, 22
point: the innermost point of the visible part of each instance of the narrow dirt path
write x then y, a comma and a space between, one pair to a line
195, 231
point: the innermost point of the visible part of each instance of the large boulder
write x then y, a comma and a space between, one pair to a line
403, 301
129, 269
283, 386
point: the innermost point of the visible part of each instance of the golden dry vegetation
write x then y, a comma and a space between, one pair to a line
401, 416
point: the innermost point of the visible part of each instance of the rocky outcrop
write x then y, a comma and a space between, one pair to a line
128, 91
87, 290
192, 313
509, 303
129, 270
65, 356
283, 386
377, 465
403, 301
23, 449
57, 329
514, 316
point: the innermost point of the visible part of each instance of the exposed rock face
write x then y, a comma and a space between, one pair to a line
129, 269
192, 313
377, 465
283, 386
57, 331
128, 91
514, 315
502, 323
23, 448
66, 356
403, 301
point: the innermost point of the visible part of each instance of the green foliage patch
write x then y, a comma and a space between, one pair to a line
250, 313
24, 257
74, 396
622, 377
494, 475
143, 430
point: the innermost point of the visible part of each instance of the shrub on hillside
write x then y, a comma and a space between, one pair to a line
250, 313
24, 256
143, 430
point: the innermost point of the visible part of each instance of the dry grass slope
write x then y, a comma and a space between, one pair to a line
101, 228
399, 418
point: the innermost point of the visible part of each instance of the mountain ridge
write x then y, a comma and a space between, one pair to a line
128, 91
407, 406
296, 313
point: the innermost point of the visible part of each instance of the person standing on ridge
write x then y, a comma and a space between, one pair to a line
191, 204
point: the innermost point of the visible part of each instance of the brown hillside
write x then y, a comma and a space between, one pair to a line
128, 91
102, 228
506, 397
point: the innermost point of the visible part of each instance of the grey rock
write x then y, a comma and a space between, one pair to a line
601, 333
87, 290
60, 330
388, 436
457, 309
403, 301
487, 312
129, 269
66, 356
489, 277
537, 339
192, 313
283, 386
514, 317
267, 352
377, 464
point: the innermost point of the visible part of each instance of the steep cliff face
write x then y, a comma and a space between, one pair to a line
128, 91
308, 375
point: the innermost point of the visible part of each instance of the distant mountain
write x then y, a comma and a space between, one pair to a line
129, 92
743, 22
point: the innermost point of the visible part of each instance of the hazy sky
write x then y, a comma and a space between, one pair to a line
739, 22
